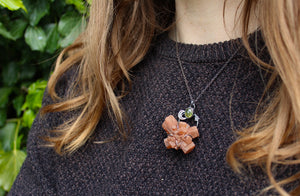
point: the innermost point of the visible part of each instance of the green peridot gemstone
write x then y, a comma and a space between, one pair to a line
188, 112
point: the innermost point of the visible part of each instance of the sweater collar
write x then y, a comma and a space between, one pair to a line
214, 52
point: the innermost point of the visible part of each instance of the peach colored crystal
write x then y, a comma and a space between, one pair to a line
180, 135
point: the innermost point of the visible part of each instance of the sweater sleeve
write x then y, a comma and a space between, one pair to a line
37, 174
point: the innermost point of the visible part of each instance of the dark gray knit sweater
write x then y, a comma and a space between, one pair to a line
142, 165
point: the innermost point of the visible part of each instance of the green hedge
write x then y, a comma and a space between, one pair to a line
32, 33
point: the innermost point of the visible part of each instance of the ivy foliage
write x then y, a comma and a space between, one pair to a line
12, 4
32, 33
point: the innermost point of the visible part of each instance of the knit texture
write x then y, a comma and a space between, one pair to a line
142, 165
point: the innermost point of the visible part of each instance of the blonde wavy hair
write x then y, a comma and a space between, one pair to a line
118, 36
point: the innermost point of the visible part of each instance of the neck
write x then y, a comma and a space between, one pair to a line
203, 22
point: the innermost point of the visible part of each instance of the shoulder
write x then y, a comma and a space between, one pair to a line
44, 124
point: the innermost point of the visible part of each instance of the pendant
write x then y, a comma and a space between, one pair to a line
188, 113
180, 135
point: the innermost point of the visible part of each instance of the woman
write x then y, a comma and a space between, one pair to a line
228, 69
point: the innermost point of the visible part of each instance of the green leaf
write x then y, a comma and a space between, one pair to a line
36, 38
10, 164
10, 74
67, 22
34, 100
17, 28
5, 33
52, 38
13, 4
36, 10
79, 4
75, 32
37, 86
3, 117
4, 95
28, 118
7, 136
35, 96
2, 192
17, 103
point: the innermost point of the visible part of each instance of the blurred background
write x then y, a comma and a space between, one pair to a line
32, 34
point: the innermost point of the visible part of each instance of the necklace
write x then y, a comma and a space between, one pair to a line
189, 111
180, 134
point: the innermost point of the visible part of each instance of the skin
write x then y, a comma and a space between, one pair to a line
201, 21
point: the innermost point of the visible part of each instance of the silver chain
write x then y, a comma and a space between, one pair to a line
193, 101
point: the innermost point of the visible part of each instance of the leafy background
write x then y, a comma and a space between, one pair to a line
32, 33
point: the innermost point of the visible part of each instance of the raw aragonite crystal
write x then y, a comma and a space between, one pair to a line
180, 135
